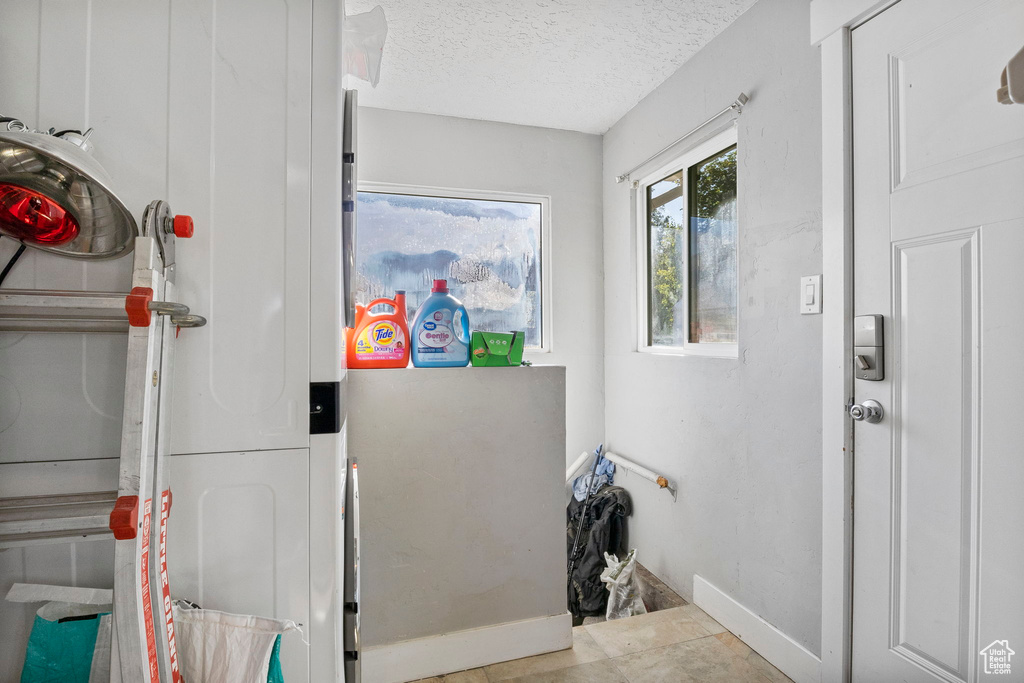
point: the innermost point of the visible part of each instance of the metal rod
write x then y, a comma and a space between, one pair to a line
736, 105
29, 520
36, 303
28, 310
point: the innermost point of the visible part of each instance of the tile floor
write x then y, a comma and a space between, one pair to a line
677, 645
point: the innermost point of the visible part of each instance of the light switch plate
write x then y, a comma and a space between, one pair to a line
810, 295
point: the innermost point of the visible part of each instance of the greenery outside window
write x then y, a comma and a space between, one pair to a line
687, 226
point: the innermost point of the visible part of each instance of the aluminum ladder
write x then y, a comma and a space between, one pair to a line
141, 652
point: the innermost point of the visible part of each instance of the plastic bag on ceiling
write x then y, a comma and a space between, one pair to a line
363, 38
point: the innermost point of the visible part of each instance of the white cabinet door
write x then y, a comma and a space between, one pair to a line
238, 151
206, 104
237, 538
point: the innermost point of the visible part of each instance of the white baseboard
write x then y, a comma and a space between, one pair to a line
412, 660
786, 654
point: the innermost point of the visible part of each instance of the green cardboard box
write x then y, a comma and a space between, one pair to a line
496, 349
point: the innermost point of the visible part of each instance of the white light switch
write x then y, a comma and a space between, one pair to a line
810, 294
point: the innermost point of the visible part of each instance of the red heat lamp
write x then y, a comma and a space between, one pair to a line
54, 196
33, 217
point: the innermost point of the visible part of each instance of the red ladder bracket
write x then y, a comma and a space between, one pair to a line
136, 305
124, 518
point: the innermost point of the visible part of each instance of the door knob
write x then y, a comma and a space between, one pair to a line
869, 411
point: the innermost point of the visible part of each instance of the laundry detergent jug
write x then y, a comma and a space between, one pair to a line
440, 334
379, 340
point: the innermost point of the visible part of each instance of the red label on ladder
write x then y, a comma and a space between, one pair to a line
172, 650
147, 603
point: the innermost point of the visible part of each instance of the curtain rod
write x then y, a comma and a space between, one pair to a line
737, 105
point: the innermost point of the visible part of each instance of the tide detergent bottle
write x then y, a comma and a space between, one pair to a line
379, 340
440, 334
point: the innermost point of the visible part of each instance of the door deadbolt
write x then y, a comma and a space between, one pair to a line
868, 348
868, 411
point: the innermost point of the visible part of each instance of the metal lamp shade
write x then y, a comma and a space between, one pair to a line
69, 176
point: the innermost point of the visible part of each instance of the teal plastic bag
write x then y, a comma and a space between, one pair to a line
61, 651
274, 674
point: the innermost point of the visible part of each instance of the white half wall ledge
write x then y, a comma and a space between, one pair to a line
412, 660
787, 655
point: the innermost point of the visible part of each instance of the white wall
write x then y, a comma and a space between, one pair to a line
441, 151
741, 436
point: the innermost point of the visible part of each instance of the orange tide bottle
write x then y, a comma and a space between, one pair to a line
379, 340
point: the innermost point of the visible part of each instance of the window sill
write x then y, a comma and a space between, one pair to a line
721, 351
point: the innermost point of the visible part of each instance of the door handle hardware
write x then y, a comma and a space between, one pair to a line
869, 347
869, 411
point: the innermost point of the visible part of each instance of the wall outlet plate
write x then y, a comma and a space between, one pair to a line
810, 295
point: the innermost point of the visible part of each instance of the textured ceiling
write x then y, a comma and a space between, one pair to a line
572, 64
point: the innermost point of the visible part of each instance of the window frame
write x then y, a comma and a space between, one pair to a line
681, 162
546, 330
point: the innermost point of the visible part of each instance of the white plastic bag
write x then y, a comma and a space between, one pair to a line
364, 44
624, 594
217, 647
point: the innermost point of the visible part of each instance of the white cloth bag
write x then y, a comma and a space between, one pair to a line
218, 647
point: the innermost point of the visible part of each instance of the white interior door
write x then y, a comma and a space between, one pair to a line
939, 250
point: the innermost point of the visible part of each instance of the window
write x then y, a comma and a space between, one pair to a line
488, 246
688, 226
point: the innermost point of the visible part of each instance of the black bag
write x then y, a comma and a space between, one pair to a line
604, 530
